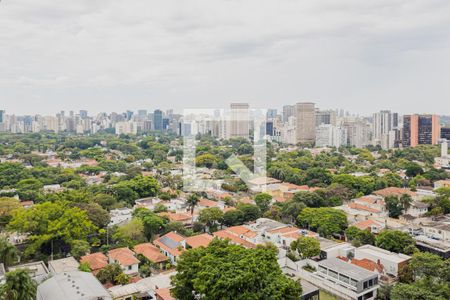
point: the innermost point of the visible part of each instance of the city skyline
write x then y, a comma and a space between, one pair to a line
91, 55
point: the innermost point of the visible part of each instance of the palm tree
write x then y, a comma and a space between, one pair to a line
406, 201
192, 201
18, 286
8, 253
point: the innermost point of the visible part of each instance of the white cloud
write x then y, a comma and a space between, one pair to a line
112, 55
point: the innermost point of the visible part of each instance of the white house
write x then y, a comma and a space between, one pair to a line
126, 259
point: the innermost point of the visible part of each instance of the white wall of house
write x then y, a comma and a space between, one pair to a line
128, 270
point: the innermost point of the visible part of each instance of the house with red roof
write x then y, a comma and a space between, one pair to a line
370, 225
126, 259
184, 218
152, 253
233, 238
284, 236
205, 203
170, 245
395, 191
95, 261
173, 244
196, 241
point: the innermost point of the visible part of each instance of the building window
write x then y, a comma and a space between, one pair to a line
353, 282
365, 285
344, 278
368, 295
333, 274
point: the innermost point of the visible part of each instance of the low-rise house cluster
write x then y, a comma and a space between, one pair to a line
432, 235
173, 244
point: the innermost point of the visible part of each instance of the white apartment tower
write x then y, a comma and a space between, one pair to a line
239, 120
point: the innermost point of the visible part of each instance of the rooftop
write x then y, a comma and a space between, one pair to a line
163, 294
151, 252
123, 256
383, 254
96, 261
242, 230
67, 264
367, 224
347, 269
363, 207
201, 240
394, 191
74, 285
176, 217
207, 203
171, 242
432, 243
36, 269
263, 180
144, 285
224, 234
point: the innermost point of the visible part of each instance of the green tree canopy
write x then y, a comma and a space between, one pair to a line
226, 271
263, 201
326, 221
306, 247
18, 286
51, 221
396, 241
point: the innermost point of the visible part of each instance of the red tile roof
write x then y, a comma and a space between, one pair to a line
368, 264
174, 237
207, 203
370, 200
242, 230
365, 264
163, 294
367, 224
263, 180
282, 230
223, 234
201, 240
151, 252
363, 207
176, 217
394, 191
123, 256
96, 261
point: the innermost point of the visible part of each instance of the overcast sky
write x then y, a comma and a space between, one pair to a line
104, 55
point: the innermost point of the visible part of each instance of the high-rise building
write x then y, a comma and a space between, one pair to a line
2, 116
126, 128
142, 114
271, 113
166, 123
385, 129
83, 114
305, 115
358, 132
269, 128
239, 120
331, 136
420, 130
158, 120
288, 111
445, 133
326, 117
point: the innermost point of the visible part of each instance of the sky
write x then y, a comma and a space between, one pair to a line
103, 55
